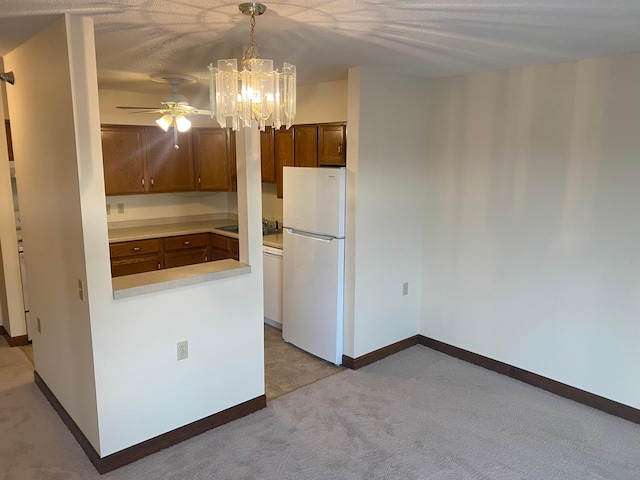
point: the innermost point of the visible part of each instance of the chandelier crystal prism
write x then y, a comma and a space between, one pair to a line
257, 92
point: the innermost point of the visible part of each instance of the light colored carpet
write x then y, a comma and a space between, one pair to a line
416, 415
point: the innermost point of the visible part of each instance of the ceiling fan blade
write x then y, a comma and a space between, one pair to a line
150, 111
189, 110
139, 108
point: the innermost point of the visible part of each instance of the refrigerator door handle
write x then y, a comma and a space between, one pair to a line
316, 236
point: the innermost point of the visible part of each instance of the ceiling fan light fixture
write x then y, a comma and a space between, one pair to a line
165, 122
257, 92
182, 123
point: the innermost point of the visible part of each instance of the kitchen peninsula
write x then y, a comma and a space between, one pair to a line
175, 253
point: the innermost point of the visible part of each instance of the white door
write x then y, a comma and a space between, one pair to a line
313, 299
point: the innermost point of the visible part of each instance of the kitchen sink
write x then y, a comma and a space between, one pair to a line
234, 229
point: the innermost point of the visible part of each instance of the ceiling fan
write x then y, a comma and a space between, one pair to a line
175, 107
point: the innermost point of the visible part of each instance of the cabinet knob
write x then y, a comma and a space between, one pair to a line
199, 181
142, 181
340, 148
136, 249
187, 243
152, 181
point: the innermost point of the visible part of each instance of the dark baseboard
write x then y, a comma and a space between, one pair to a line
153, 445
359, 362
68, 421
18, 341
561, 389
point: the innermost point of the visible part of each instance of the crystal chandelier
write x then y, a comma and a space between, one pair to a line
257, 92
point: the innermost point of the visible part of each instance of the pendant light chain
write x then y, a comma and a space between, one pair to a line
253, 50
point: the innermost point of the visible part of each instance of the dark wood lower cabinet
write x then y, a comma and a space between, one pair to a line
141, 256
189, 257
129, 266
220, 249
234, 249
135, 257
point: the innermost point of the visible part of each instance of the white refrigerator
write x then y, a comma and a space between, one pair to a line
313, 260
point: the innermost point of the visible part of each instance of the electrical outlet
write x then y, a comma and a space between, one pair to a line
405, 288
183, 350
80, 290
121, 208
38, 326
108, 209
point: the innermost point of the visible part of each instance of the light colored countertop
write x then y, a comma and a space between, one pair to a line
273, 240
169, 278
125, 234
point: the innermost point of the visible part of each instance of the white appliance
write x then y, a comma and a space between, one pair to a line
313, 260
16, 211
272, 276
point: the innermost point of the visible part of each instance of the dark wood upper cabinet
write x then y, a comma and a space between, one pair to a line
7, 128
267, 156
332, 148
284, 154
169, 169
212, 158
306, 145
124, 159
143, 159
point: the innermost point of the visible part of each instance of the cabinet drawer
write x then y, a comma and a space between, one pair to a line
185, 241
136, 247
189, 257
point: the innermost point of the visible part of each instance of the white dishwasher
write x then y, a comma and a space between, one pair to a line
272, 272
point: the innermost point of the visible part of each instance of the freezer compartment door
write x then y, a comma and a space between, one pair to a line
313, 299
314, 200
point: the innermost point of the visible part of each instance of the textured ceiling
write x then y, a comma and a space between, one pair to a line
324, 38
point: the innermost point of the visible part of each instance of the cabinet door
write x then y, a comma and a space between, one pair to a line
234, 249
7, 129
331, 145
284, 154
211, 152
169, 169
123, 155
187, 257
267, 158
306, 147
219, 246
129, 266
231, 138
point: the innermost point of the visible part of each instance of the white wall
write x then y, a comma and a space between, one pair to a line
531, 226
169, 205
385, 201
158, 205
44, 140
322, 102
126, 347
